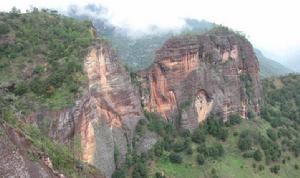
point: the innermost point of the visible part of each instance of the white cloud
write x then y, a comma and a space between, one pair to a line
271, 25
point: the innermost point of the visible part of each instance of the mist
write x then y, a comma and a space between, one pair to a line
271, 26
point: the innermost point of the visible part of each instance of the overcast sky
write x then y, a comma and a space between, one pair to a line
271, 25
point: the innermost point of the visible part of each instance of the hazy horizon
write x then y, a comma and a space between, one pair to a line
270, 25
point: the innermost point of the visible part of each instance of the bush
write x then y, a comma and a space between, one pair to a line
261, 167
257, 155
245, 143
296, 147
158, 149
251, 114
296, 166
140, 170
175, 158
185, 133
21, 88
159, 175
235, 119
179, 146
198, 136
270, 148
200, 159
275, 169
119, 173
189, 150
4, 28
272, 134
215, 126
214, 151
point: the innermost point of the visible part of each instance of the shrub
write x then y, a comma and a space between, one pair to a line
296, 166
158, 149
261, 167
200, 159
179, 146
4, 28
257, 155
159, 175
248, 155
251, 114
175, 158
275, 169
198, 136
215, 126
245, 143
140, 170
296, 147
272, 134
189, 150
119, 173
270, 148
214, 151
235, 119
185, 133
21, 88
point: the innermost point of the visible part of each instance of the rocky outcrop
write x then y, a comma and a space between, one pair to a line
194, 75
109, 113
104, 118
17, 154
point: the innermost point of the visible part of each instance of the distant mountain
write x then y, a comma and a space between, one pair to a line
269, 67
139, 52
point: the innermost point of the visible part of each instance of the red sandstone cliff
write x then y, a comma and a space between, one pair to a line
105, 117
194, 75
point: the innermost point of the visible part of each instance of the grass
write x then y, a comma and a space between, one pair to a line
232, 165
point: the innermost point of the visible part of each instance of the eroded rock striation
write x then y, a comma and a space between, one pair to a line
194, 75
104, 118
109, 113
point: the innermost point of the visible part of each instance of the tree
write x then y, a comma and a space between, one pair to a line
179, 146
198, 136
140, 170
200, 159
257, 155
4, 28
21, 88
119, 173
275, 169
245, 143
272, 134
235, 119
175, 158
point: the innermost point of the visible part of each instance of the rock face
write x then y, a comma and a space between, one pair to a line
104, 119
109, 113
16, 160
194, 75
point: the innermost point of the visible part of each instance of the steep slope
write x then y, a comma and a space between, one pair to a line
270, 67
194, 75
104, 118
260, 148
67, 91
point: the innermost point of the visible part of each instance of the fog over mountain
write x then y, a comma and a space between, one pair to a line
270, 25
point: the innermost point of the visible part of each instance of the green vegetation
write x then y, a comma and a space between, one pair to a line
41, 56
270, 67
238, 148
42, 62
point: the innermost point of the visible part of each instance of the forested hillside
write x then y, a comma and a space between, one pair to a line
258, 147
41, 68
270, 67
